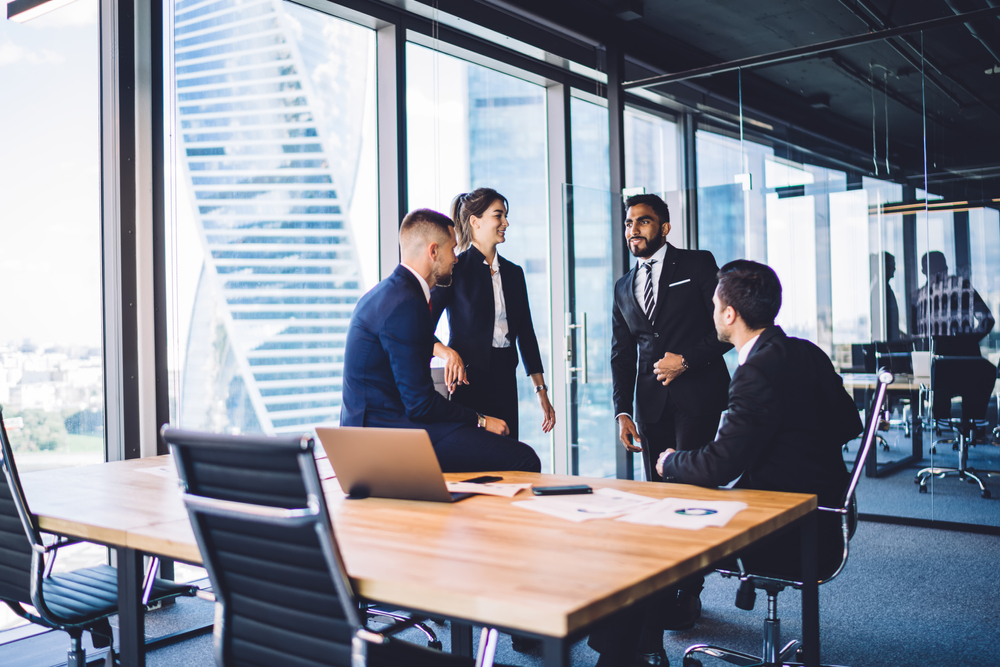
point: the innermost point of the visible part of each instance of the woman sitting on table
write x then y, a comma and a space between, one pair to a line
488, 313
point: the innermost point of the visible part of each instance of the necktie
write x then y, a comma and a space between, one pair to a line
647, 295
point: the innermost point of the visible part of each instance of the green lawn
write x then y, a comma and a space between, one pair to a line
83, 444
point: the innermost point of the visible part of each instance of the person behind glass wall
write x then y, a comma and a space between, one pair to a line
951, 311
488, 315
884, 299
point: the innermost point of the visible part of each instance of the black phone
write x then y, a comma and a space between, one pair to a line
485, 479
561, 490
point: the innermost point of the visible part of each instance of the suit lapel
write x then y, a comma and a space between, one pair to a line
666, 277
630, 306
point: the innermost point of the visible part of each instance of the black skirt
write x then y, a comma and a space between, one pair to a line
493, 391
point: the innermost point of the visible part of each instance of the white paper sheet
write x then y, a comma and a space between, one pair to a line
690, 514
603, 503
168, 472
492, 489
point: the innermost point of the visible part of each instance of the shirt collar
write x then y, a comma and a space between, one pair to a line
657, 256
747, 349
423, 283
496, 262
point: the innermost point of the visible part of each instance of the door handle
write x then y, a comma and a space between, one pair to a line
569, 348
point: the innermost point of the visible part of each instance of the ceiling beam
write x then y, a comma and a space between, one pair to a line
812, 50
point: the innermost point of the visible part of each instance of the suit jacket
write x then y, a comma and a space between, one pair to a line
682, 324
469, 301
788, 418
387, 376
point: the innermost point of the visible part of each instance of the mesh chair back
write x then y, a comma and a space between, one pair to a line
257, 508
16, 530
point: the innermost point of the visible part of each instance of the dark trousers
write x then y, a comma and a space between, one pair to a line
676, 429
472, 449
493, 391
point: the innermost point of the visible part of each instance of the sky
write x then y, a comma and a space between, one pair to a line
50, 261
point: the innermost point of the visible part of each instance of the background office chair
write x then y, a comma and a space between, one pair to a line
75, 602
749, 582
282, 595
970, 379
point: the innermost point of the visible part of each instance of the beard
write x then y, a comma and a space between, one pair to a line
723, 336
442, 279
648, 250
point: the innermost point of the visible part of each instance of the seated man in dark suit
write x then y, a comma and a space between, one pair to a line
787, 419
387, 378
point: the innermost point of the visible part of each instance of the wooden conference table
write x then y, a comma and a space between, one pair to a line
478, 561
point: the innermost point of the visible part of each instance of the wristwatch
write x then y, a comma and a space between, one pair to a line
482, 420
541, 387
684, 364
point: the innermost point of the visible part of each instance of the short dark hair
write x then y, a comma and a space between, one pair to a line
659, 206
424, 220
753, 290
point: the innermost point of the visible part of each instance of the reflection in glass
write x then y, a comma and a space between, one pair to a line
469, 126
275, 220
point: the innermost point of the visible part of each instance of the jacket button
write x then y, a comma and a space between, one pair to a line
656, 335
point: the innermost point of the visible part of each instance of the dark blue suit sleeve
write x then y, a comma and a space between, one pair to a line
751, 423
409, 357
624, 357
526, 340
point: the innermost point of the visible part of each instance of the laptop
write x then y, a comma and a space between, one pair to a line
386, 463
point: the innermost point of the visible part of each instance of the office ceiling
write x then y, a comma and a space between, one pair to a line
845, 96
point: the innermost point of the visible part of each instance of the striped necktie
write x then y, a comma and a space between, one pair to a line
647, 295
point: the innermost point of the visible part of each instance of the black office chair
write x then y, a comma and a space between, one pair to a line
74, 602
283, 597
970, 379
750, 583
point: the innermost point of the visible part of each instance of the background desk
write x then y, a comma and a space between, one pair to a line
477, 561
861, 386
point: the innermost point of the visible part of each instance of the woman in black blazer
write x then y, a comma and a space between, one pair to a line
488, 314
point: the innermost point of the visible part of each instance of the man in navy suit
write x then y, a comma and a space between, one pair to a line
387, 379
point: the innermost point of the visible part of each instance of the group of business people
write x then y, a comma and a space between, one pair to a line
675, 315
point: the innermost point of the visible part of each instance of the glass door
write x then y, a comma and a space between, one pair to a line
589, 292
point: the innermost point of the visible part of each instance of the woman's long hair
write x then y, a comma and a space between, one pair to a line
469, 204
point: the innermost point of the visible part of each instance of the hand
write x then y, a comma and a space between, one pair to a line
669, 367
454, 369
628, 434
662, 460
495, 425
549, 418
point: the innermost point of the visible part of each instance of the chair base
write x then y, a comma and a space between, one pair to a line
790, 650
969, 475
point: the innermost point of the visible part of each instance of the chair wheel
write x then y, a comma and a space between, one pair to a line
933, 450
434, 645
922, 489
692, 662
986, 494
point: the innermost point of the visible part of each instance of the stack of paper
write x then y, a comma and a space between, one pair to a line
686, 513
602, 504
491, 489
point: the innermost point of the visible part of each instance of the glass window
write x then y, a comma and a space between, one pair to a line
51, 370
274, 220
652, 154
469, 126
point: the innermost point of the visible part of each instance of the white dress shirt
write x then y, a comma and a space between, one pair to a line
747, 349
423, 283
639, 287
500, 328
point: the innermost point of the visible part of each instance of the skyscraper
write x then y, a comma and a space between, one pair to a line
270, 108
